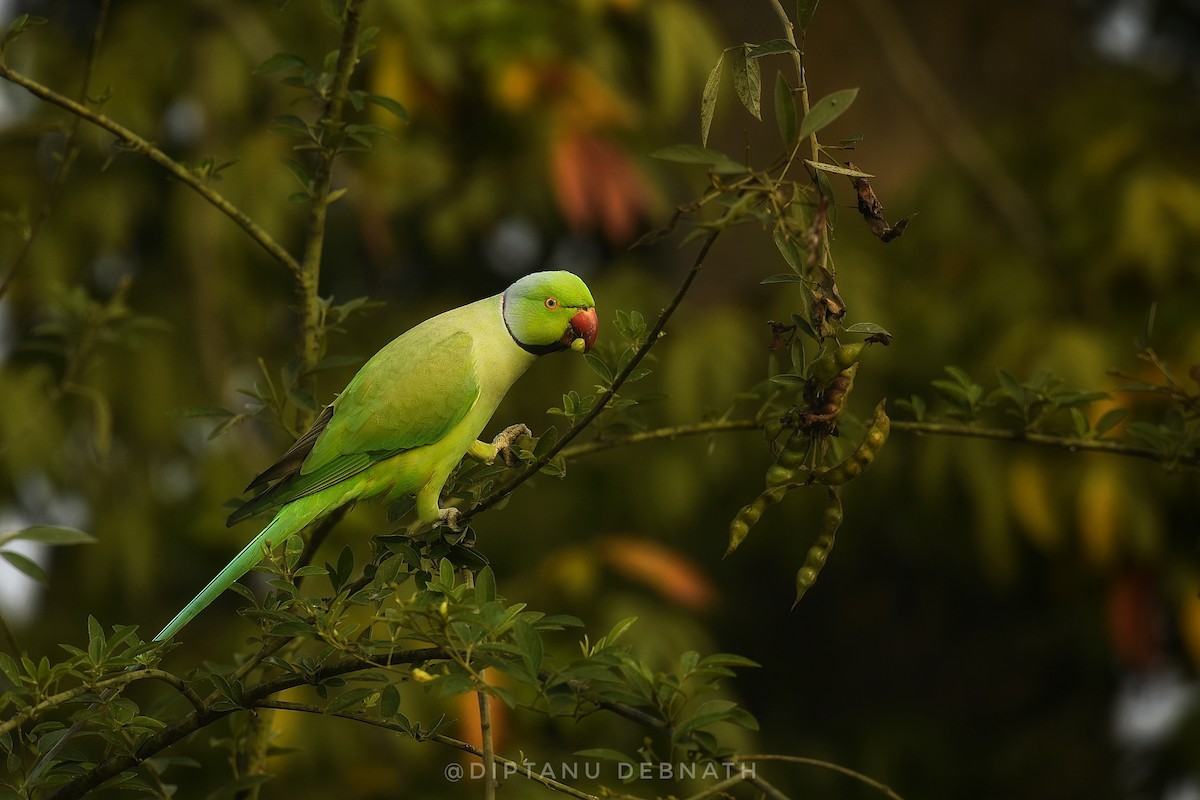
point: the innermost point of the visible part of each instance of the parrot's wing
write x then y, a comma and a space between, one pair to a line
410, 394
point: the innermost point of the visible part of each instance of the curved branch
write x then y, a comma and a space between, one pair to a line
607, 394
816, 762
140, 145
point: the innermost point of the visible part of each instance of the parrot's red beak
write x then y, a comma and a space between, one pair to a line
583, 326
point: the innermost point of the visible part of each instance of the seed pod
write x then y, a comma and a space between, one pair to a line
779, 475
862, 457
743, 522
833, 400
750, 514
818, 554
824, 369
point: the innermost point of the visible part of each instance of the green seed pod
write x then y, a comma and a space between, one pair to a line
824, 369
779, 475
863, 455
738, 530
818, 554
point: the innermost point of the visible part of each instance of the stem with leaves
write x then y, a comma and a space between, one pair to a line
140, 145
330, 124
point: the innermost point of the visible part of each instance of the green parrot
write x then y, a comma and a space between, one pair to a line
411, 413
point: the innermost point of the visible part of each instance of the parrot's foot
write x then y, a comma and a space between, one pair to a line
504, 444
450, 518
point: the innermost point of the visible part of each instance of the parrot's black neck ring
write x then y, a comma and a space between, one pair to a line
532, 349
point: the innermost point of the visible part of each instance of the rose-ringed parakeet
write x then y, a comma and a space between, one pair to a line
410, 415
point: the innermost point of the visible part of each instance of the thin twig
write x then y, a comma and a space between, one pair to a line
607, 394
766, 787
330, 124
816, 762
1071, 444
178, 170
489, 753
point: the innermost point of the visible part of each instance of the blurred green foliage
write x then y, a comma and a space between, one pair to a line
990, 610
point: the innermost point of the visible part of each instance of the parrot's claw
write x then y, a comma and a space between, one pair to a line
504, 444
450, 518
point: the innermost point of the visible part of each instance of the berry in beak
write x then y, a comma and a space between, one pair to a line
580, 334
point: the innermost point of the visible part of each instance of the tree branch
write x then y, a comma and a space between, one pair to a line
607, 394
1071, 444
489, 753
816, 762
176, 169
309, 275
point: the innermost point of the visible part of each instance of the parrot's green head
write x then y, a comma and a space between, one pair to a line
550, 311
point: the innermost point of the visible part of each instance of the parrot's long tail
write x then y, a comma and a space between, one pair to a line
280, 529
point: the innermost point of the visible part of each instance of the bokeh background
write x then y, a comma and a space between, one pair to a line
995, 622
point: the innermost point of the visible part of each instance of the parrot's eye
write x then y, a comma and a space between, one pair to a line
551, 303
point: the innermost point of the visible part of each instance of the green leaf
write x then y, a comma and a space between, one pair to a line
599, 367
49, 534
1010, 386
300, 173
26, 566
747, 82
783, 277
825, 111
485, 586
771, 48
1109, 420
804, 12
387, 103
618, 630
281, 61
790, 252
866, 327
18, 26
446, 573
389, 701
530, 643
785, 110
691, 154
302, 399
825, 166
708, 100
727, 660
